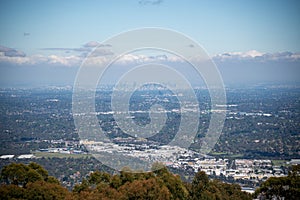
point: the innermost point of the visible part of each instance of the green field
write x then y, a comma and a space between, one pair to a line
218, 153
60, 155
226, 155
279, 162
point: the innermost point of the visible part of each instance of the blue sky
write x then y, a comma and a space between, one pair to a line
246, 39
220, 26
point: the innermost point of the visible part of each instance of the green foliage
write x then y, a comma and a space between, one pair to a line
11, 192
115, 182
144, 189
21, 174
29, 182
32, 182
175, 186
99, 177
33, 176
126, 175
46, 191
203, 188
39, 169
52, 179
15, 174
84, 186
199, 184
281, 187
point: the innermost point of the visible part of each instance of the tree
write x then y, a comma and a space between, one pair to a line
21, 174
145, 189
52, 179
126, 175
115, 181
15, 174
99, 177
173, 183
46, 191
161, 184
281, 187
221, 190
84, 186
199, 184
203, 188
11, 192
39, 169
33, 176
35, 182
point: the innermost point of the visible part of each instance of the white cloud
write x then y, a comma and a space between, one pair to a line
254, 55
101, 55
9, 52
64, 60
41, 59
139, 59
101, 52
93, 44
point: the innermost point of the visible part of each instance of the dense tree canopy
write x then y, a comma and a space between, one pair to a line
31, 181
281, 187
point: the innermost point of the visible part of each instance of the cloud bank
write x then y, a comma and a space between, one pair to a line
235, 67
254, 55
16, 57
9, 52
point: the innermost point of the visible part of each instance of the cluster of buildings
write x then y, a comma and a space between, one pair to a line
172, 156
246, 169
180, 158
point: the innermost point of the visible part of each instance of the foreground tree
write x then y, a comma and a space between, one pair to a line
44, 190
172, 182
145, 189
281, 187
21, 174
29, 182
203, 188
16, 174
32, 182
11, 192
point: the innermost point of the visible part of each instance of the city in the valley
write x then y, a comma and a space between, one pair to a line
260, 137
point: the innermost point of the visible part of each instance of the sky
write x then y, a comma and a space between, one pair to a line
54, 32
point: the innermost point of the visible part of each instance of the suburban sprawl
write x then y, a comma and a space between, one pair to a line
260, 138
